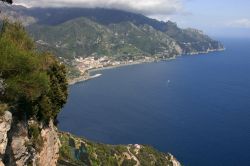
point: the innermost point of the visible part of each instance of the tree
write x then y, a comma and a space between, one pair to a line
35, 84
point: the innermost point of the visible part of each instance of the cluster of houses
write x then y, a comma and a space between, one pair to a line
86, 64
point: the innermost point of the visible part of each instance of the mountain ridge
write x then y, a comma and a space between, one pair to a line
120, 33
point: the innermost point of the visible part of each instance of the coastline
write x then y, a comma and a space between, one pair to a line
129, 64
88, 76
206, 52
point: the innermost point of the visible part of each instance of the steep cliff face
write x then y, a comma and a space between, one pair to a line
18, 148
17, 153
49, 153
5, 125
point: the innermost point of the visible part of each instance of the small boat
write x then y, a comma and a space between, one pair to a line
96, 75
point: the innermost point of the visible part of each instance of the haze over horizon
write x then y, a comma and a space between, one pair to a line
223, 18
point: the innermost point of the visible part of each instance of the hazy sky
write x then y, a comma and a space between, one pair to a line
216, 17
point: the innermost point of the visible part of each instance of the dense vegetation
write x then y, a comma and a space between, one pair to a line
79, 151
33, 84
85, 37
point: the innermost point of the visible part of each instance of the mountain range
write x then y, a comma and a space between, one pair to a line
83, 32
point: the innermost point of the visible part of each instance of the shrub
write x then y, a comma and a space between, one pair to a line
35, 136
3, 108
36, 83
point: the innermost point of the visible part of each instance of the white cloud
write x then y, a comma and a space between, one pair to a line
241, 23
147, 7
23, 4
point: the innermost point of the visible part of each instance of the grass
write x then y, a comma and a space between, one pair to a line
3, 108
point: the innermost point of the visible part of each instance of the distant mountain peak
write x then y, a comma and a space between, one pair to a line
70, 32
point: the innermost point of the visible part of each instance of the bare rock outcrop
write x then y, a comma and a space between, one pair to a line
50, 150
5, 125
18, 152
174, 161
17, 147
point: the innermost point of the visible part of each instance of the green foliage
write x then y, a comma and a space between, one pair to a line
36, 139
36, 83
65, 152
69, 152
34, 131
97, 154
58, 87
3, 108
15, 33
129, 163
149, 156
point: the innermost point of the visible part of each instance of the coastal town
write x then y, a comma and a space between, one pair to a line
86, 65
90, 63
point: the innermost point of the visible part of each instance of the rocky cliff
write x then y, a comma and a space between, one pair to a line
5, 125
33, 89
51, 148
17, 146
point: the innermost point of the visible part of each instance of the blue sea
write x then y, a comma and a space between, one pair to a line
195, 107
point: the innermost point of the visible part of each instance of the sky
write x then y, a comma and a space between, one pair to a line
215, 17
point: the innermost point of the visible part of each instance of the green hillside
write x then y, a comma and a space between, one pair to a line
83, 37
83, 32
79, 151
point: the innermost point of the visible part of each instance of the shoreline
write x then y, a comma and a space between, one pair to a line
88, 76
130, 64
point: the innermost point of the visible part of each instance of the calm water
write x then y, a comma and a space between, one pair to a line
196, 107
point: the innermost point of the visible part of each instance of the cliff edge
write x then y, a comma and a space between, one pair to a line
18, 147
51, 148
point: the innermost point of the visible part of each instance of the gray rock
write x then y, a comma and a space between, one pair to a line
17, 150
50, 151
20, 151
5, 125
174, 161
1, 87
